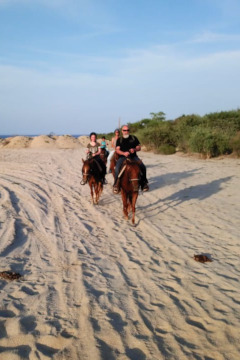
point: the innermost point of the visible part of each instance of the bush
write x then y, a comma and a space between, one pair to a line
161, 133
166, 149
207, 142
184, 126
235, 143
211, 135
227, 121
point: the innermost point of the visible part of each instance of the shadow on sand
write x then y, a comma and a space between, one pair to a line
200, 192
171, 178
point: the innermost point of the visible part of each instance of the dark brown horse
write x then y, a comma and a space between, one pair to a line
104, 155
129, 184
91, 173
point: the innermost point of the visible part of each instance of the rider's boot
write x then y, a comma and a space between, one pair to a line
116, 186
145, 186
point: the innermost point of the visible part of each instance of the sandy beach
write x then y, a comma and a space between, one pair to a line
93, 286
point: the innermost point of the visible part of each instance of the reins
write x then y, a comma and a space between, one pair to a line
84, 182
91, 172
87, 178
122, 171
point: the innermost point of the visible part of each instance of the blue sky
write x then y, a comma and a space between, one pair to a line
75, 66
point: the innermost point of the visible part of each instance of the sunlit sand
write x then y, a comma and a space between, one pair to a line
94, 287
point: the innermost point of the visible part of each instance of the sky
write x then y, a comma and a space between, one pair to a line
76, 66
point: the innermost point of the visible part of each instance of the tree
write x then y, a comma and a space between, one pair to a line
160, 116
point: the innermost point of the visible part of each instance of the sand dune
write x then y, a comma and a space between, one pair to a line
94, 287
44, 141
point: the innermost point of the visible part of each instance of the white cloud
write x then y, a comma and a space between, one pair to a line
143, 82
53, 96
211, 37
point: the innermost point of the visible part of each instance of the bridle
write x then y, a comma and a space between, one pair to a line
86, 176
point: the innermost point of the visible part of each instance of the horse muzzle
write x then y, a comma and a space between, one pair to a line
84, 180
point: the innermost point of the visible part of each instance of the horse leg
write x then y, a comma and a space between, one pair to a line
134, 199
129, 203
91, 189
125, 204
96, 192
100, 189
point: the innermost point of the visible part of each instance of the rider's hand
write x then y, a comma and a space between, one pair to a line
132, 151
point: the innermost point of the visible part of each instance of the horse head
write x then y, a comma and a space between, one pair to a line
133, 174
134, 178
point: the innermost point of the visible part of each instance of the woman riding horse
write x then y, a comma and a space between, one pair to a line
93, 151
113, 146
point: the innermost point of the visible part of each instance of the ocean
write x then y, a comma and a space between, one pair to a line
6, 136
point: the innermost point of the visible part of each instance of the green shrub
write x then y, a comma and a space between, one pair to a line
209, 143
184, 126
158, 134
212, 135
227, 121
235, 143
166, 149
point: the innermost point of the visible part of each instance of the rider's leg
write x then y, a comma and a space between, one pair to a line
117, 171
144, 180
109, 159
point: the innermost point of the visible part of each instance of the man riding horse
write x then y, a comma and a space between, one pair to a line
127, 147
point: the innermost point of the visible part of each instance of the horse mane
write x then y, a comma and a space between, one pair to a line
94, 167
129, 161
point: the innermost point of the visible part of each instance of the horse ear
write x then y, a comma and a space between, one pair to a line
82, 160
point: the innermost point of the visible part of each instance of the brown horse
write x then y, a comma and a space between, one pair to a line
91, 173
129, 184
113, 163
104, 155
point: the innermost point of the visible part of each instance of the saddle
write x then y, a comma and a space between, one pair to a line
126, 162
